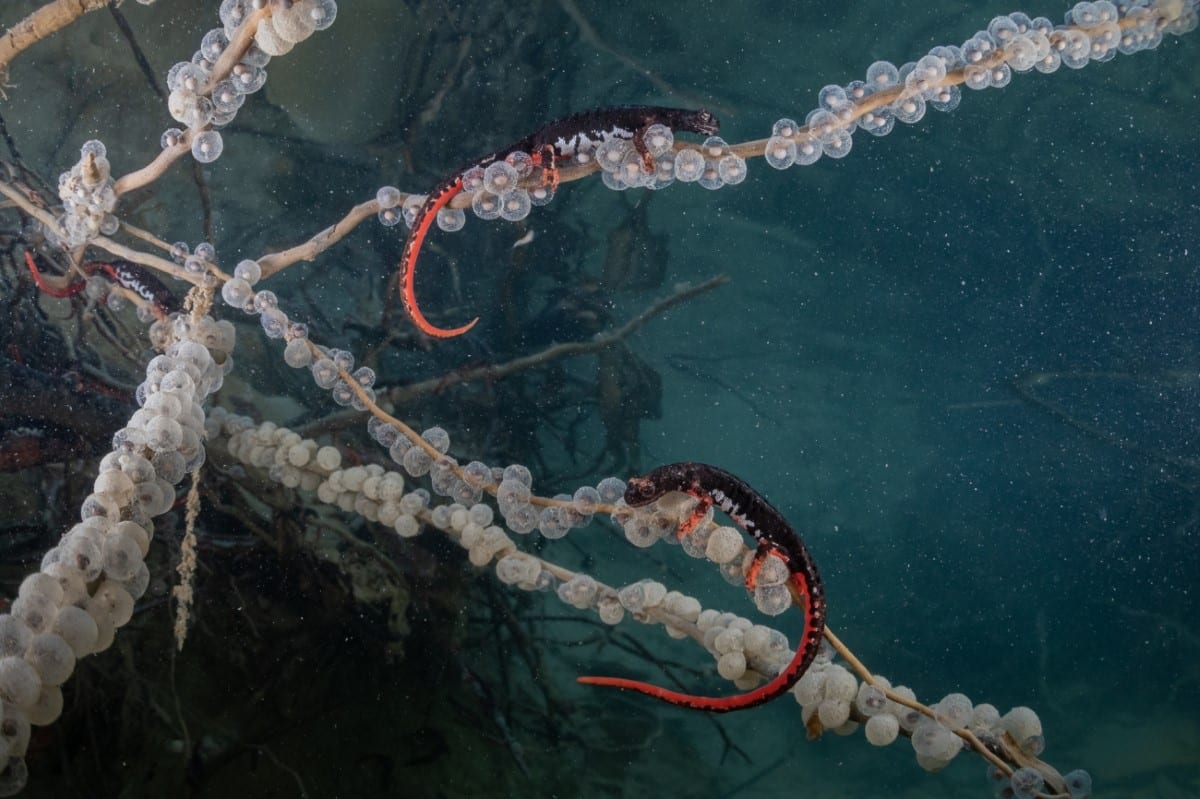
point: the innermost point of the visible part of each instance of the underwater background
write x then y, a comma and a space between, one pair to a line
962, 360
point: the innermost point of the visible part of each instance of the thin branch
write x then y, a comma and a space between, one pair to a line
46, 21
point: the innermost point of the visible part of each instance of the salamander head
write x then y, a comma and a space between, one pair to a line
701, 121
641, 491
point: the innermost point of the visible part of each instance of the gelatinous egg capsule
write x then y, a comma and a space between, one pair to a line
451, 220
485, 205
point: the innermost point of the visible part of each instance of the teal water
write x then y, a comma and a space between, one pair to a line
961, 360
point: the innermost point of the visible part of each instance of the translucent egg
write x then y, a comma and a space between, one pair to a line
171, 137
122, 556
293, 24
226, 98
389, 217
732, 665
325, 373
689, 166
36, 610
579, 591
1003, 30
976, 77
520, 161
116, 485
882, 74
946, 98
322, 13
1023, 726
610, 488
632, 171
808, 149
954, 711
417, 462
870, 700
169, 465
249, 77
522, 518
451, 220
297, 354
1022, 54
485, 204
248, 270
43, 584
978, 48
1026, 782
407, 526
833, 713
51, 657
1074, 47
785, 128
810, 688
837, 144
106, 633
15, 731
207, 146
269, 41
186, 77
236, 292
664, 172
551, 523
19, 682
214, 43
15, 636
274, 323
1079, 784
731, 169
77, 628
514, 204
437, 438
511, 493
516, 569
72, 580
723, 545
882, 729
909, 109
780, 152
932, 739
610, 610
111, 603
686, 607
163, 433
611, 153
499, 177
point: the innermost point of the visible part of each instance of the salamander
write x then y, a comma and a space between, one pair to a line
134, 277
549, 146
776, 538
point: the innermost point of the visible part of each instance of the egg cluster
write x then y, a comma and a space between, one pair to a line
833, 697
291, 22
200, 104
721, 544
1014, 42
496, 191
88, 583
713, 165
88, 198
376, 494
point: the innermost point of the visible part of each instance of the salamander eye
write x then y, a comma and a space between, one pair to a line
706, 122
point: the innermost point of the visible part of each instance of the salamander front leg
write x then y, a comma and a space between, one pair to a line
639, 144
